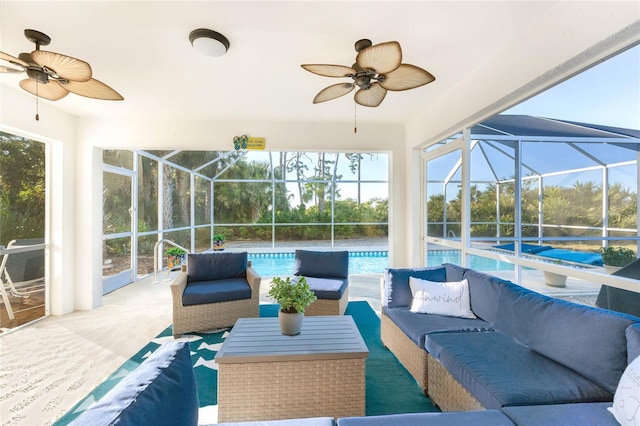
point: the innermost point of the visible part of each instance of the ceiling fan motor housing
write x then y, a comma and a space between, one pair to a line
38, 75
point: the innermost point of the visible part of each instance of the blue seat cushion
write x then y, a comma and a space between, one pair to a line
416, 326
500, 372
397, 292
216, 266
588, 340
161, 391
202, 292
592, 413
464, 418
327, 288
321, 264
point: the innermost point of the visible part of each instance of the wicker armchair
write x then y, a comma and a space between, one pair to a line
193, 316
327, 273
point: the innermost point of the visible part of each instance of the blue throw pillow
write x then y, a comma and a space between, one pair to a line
397, 292
161, 391
322, 264
216, 266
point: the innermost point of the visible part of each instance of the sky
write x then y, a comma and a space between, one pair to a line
607, 94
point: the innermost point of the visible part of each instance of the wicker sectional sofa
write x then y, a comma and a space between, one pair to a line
523, 349
162, 391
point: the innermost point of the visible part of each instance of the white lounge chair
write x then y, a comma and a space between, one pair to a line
21, 270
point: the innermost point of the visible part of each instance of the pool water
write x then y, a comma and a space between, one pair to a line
367, 262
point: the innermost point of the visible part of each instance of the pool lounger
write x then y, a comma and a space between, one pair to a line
594, 259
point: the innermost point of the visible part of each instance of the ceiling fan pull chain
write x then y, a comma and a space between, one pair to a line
355, 118
37, 115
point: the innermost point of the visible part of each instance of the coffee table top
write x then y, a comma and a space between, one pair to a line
322, 337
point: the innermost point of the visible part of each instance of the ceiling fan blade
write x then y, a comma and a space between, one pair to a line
383, 57
329, 70
93, 89
371, 97
407, 77
13, 61
51, 91
69, 68
9, 70
332, 92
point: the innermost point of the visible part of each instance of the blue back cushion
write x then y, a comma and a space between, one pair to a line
484, 290
322, 264
216, 266
161, 391
397, 292
633, 342
588, 340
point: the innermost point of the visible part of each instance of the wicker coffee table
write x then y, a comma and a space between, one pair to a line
265, 375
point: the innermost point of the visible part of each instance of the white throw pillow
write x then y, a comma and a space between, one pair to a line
441, 298
626, 400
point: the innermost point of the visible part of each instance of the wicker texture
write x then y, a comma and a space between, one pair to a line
446, 392
291, 389
211, 316
329, 307
410, 355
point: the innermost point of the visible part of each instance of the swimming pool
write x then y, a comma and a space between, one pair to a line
367, 262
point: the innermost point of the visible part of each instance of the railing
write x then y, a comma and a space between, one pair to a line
155, 257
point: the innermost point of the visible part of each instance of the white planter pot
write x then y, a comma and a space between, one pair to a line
555, 280
611, 269
290, 324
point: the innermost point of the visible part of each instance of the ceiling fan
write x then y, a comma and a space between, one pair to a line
53, 75
378, 68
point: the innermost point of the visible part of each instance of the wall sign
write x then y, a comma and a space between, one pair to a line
245, 142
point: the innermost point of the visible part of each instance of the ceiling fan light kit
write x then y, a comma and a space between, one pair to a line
209, 42
53, 75
378, 68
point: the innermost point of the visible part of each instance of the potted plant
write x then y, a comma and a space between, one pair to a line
293, 295
615, 258
553, 279
218, 242
175, 256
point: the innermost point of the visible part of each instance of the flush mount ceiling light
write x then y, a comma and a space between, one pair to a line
209, 42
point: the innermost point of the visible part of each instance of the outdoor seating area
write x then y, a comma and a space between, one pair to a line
547, 382
320, 213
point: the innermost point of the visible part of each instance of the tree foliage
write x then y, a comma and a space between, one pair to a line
22, 188
577, 205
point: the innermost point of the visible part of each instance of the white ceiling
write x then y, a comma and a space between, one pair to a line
141, 49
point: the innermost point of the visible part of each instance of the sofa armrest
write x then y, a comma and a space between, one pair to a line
177, 288
254, 280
